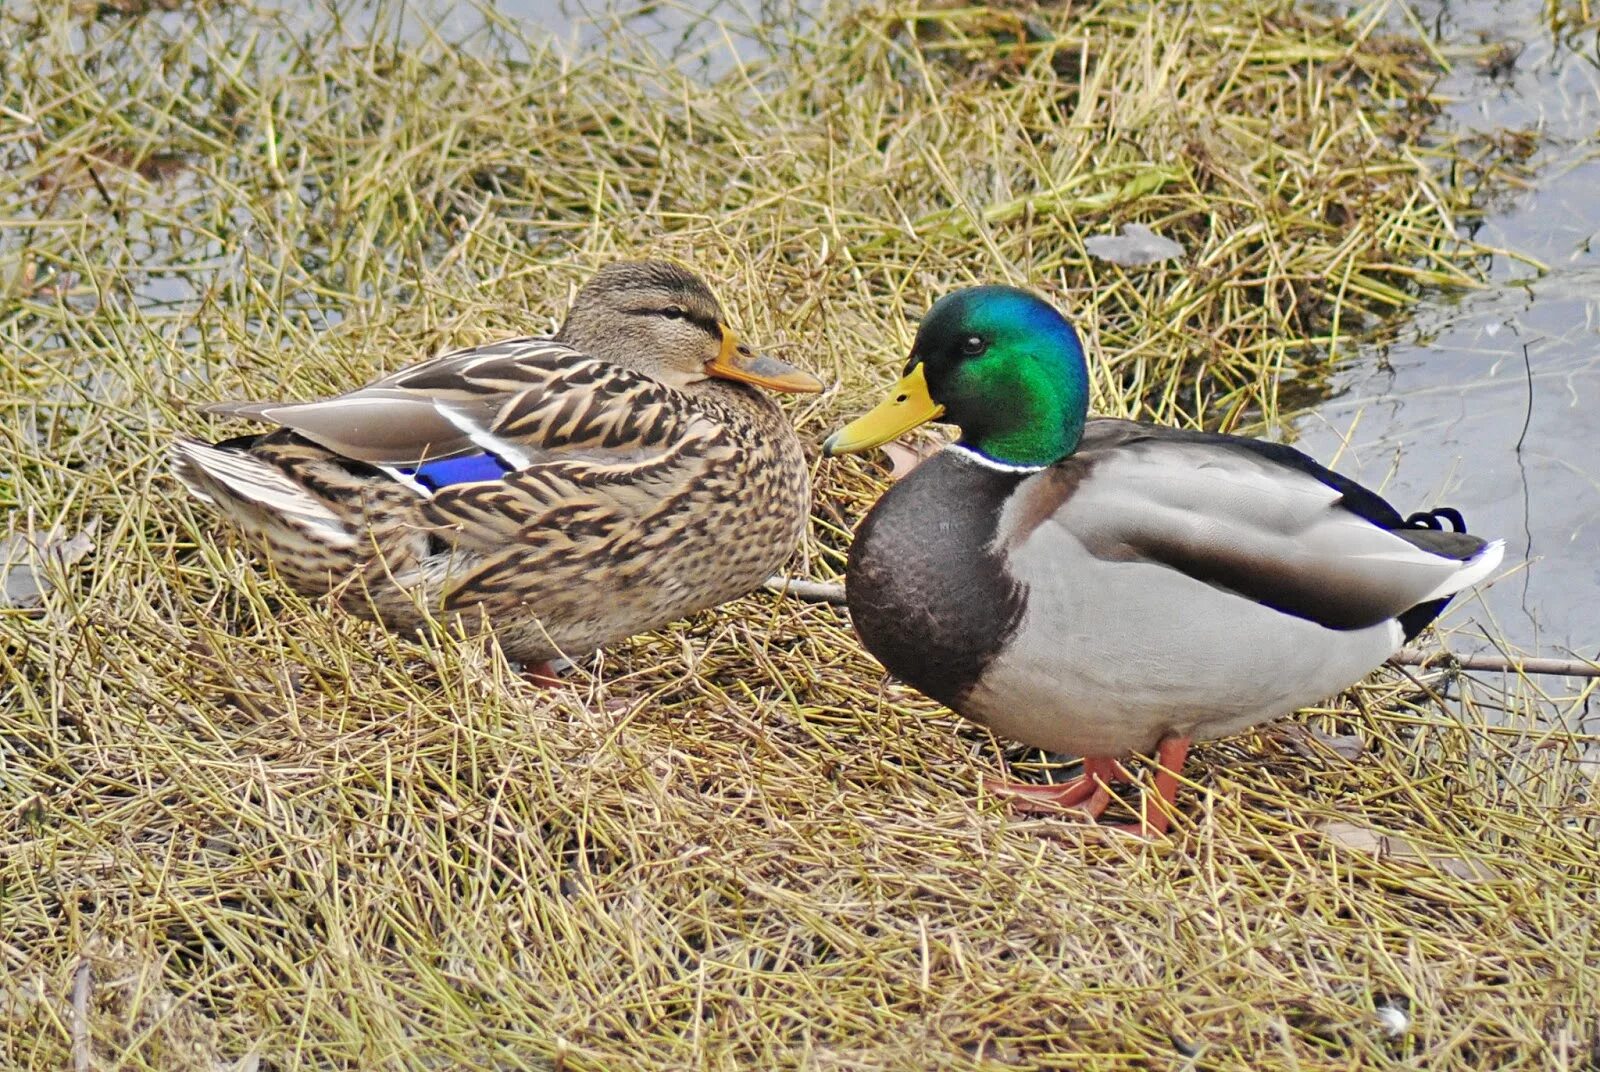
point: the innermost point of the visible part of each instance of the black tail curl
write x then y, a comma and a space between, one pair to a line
1435, 519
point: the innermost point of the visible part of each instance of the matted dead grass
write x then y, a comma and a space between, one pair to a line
242, 831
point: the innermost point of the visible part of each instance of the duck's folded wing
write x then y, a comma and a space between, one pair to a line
554, 521
516, 403
1269, 527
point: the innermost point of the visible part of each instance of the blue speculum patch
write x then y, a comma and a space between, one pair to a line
464, 469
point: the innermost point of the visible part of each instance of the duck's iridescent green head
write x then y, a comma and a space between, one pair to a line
999, 363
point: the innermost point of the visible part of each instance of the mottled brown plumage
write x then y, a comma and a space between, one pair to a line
564, 492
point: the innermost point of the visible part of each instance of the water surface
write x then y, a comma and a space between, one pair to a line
1487, 402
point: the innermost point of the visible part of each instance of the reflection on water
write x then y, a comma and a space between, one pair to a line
705, 38
1438, 418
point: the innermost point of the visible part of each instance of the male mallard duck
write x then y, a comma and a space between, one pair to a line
564, 492
1104, 587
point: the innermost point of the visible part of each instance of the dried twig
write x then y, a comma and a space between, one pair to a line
810, 591
1486, 661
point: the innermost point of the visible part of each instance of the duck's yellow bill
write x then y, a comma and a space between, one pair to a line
735, 362
907, 406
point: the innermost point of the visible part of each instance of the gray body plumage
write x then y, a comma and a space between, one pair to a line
1153, 583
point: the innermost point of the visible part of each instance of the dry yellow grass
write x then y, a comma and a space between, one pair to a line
241, 831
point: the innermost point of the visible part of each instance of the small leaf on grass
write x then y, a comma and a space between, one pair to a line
1395, 847
1344, 745
27, 560
1310, 742
1137, 244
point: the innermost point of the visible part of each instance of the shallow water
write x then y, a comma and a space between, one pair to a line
1437, 417
705, 38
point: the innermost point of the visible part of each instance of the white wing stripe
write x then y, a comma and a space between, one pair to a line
503, 449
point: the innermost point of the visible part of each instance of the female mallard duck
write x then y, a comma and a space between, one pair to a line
564, 493
1103, 587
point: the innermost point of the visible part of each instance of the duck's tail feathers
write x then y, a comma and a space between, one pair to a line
242, 484
1476, 568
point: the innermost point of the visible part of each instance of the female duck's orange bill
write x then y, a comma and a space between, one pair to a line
735, 362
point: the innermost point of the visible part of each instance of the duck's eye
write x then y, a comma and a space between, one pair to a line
972, 344
674, 312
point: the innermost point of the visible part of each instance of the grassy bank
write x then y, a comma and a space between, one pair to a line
243, 831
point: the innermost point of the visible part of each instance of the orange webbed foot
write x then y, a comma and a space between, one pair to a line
1156, 814
1090, 792
541, 675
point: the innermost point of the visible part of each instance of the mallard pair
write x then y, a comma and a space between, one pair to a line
1099, 587
566, 492
1104, 587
